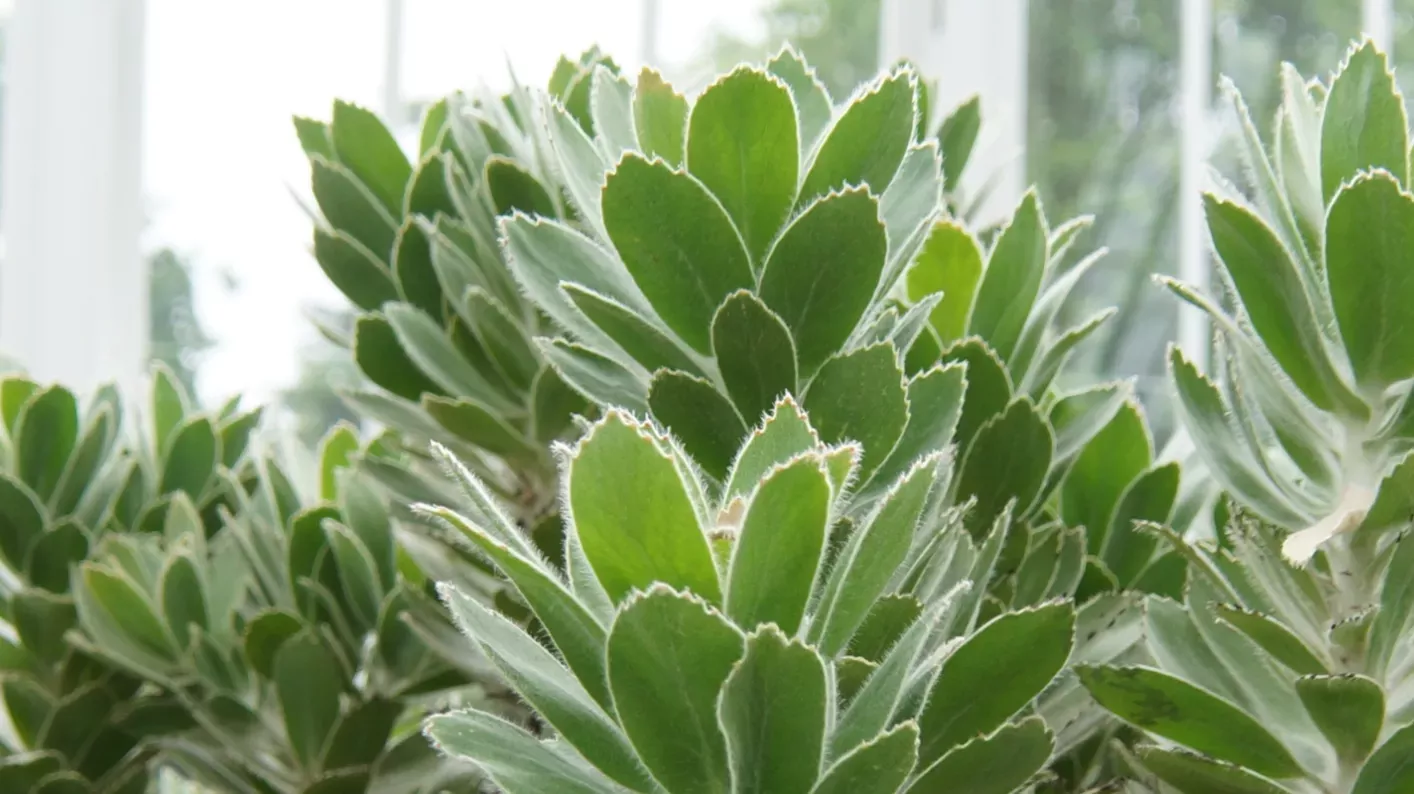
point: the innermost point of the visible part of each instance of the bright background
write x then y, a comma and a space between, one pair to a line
1110, 106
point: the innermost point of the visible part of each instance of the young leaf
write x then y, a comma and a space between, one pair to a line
1364, 125
950, 263
995, 673
633, 514
812, 101
777, 556
660, 118
1011, 280
934, 406
868, 139
785, 433
1368, 265
611, 105
823, 270
1183, 713
881, 694
699, 416
743, 144
755, 354
860, 396
669, 655
1349, 710
677, 241
773, 710
996, 764
878, 766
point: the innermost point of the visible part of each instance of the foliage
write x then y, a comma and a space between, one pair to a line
1286, 666
176, 336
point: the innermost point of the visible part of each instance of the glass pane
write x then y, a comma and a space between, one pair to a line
1103, 139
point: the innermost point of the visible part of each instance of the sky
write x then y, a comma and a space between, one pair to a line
222, 166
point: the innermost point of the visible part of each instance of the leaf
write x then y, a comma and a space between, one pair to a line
823, 270
871, 557
988, 387
264, 634
547, 686
553, 403
183, 598
1181, 712
309, 695
812, 102
773, 711
1396, 605
886, 622
779, 551
41, 619
755, 354
22, 521
1272, 637
882, 694
313, 136
669, 656
1276, 302
54, 554
742, 142
350, 207
1079, 416
576, 633
1364, 124
1104, 469
1007, 461
169, 405
1369, 235
783, 434
475, 423
335, 451
678, 243
611, 105
380, 356
361, 734
128, 610
860, 396
659, 117
28, 705
633, 515
1391, 769
957, 135
430, 193
514, 188
1349, 710
997, 764
503, 336
995, 673
934, 406
358, 575
878, 766
1191, 773
950, 262
699, 416
641, 339
369, 150
354, 269
46, 430
581, 165
1039, 378
428, 347
413, 269
868, 139
1150, 498
512, 758
192, 459
1011, 280
599, 379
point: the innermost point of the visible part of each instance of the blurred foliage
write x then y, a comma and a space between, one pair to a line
839, 37
176, 336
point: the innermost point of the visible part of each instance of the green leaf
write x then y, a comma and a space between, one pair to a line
514, 760
308, 693
633, 514
192, 459
28, 705
1391, 769
361, 734
41, 619
1349, 710
773, 711
823, 270
886, 622
335, 451
169, 405
860, 396
783, 434
314, 137
1039, 378
369, 150
351, 208
599, 379
997, 764
264, 635
581, 165
988, 387
660, 118
128, 610
1364, 124
1369, 235
742, 143
473, 422
871, 557
755, 354
428, 347
576, 633
1191, 773
46, 430
15, 392
641, 339
1181, 712
354, 269
1007, 461
547, 686
1150, 498
669, 656
1277, 303
1011, 280
1079, 416
514, 188
957, 135
183, 598
678, 243
699, 416
994, 674
934, 406
1396, 606
382, 359
503, 336
868, 139
1112, 459
553, 403
22, 522
812, 102
950, 262
882, 694
611, 105
53, 555
430, 192
779, 551
1273, 637
413, 269
878, 766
